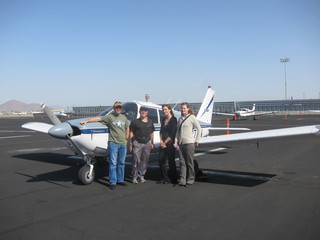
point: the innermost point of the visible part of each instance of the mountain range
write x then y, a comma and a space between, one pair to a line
17, 106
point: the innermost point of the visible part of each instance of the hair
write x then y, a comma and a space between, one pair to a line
188, 106
169, 107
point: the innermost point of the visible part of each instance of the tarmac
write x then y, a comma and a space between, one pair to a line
269, 190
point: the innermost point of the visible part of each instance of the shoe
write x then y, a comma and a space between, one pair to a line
163, 181
134, 181
122, 184
112, 187
181, 184
142, 180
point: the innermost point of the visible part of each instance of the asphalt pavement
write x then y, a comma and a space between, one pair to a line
265, 190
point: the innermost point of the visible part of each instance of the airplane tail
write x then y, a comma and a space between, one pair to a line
254, 107
205, 111
53, 118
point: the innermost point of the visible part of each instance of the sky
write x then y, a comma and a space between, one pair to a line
91, 53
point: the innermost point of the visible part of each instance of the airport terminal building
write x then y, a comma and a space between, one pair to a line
281, 106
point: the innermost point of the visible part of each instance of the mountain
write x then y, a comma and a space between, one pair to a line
17, 106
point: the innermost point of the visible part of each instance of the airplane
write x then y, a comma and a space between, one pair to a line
245, 112
90, 140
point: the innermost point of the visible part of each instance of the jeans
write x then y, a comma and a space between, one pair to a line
117, 157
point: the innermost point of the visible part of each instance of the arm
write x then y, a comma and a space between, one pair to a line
130, 140
151, 140
198, 127
96, 119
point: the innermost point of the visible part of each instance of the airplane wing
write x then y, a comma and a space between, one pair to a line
225, 114
38, 126
284, 132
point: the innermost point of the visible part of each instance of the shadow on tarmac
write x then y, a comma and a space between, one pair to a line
215, 176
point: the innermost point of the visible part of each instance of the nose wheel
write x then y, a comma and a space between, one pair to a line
86, 174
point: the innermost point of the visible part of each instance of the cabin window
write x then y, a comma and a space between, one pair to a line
161, 115
153, 115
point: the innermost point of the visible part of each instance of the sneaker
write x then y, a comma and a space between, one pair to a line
142, 180
122, 184
134, 181
112, 187
181, 184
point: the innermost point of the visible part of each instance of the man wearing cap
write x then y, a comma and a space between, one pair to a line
117, 143
141, 142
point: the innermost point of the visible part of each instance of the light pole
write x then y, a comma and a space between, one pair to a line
285, 60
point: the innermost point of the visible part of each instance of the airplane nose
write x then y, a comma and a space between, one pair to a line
61, 130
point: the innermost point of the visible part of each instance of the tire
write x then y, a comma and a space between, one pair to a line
84, 175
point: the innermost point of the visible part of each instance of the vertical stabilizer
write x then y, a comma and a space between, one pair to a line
53, 118
205, 111
254, 107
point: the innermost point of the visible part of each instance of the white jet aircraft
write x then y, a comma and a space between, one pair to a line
90, 140
245, 112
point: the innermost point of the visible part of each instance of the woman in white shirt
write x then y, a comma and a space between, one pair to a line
187, 142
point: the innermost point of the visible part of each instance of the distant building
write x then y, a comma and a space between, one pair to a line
226, 107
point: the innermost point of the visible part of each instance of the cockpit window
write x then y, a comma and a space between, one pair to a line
130, 110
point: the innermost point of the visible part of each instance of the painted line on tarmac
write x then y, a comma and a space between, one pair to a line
20, 136
37, 150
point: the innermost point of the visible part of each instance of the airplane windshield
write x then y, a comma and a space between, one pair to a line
129, 109
106, 112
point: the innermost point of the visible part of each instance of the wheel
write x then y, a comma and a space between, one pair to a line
196, 167
199, 174
84, 175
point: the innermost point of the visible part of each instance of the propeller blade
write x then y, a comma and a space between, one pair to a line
53, 118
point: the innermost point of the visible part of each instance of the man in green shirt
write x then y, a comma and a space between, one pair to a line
117, 143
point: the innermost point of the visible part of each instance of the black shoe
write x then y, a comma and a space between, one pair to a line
122, 184
182, 185
112, 187
163, 181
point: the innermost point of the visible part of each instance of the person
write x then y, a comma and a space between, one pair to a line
117, 143
167, 150
186, 142
141, 142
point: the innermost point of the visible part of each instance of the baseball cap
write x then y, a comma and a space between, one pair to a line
117, 104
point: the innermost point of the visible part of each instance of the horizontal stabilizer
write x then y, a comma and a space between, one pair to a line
38, 126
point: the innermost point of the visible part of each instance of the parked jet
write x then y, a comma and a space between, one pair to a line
90, 140
245, 112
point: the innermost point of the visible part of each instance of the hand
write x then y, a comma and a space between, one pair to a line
83, 122
196, 144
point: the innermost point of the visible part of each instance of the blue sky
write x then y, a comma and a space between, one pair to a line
83, 53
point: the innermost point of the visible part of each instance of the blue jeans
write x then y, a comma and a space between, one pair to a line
117, 157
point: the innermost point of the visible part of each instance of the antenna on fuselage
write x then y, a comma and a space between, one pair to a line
147, 97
